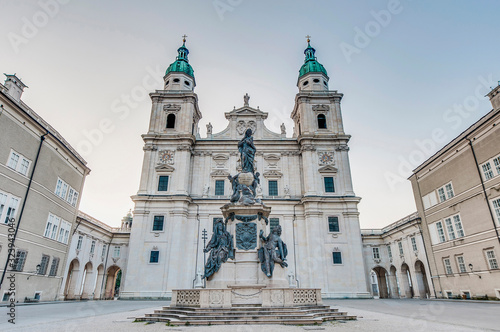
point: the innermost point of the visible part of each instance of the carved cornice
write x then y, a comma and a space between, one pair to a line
328, 169
171, 107
320, 108
164, 168
272, 174
150, 147
219, 173
307, 147
342, 148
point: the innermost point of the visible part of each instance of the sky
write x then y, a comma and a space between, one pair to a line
413, 73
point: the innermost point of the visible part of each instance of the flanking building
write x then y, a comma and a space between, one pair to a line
457, 193
41, 180
97, 259
396, 260
304, 177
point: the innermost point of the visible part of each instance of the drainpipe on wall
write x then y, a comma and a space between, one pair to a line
484, 189
42, 138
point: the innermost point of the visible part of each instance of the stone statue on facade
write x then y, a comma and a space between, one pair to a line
247, 151
220, 247
273, 250
283, 129
206, 190
209, 129
246, 98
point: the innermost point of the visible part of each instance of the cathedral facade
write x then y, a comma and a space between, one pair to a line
305, 179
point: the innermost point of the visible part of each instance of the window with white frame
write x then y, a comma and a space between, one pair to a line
44, 264
450, 229
414, 243
92, 247
441, 195
52, 226
66, 192
54, 266
11, 209
449, 190
496, 163
458, 226
447, 266
429, 200
3, 201
116, 252
487, 171
492, 260
400, 246
79, 243
19, 261
440, 231
389, 251
103, 253
376, 253
461, 264
18, 163
496, 207
58, 229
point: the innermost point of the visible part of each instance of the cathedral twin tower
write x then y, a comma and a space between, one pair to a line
305, 179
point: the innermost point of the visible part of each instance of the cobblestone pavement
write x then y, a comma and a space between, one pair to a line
373, 316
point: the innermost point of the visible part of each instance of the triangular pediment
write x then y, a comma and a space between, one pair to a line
328, 169
164, 168
246, 111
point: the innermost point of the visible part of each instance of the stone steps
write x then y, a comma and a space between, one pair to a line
306, 315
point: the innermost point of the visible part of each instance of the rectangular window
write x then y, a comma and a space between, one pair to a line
3, 200
13, 160
496, 207
273, 222
103, 252
492, 260
60, 237
25, 164
75, 199
337, 257
154, 256
80, 241
447, 266
19, 261
64, 190
440, 230
44, 264
389, 251
158, 223
163, 183
273, 188
11, 210
71, 192
458, 226
414, 244
450, 229
496, 161
333, 224
59, 187
487, 171
54, 266
461, 264
441, 194
116, 252
329, 187
219, 187
400, 245
92, 247
376, 253
449, 191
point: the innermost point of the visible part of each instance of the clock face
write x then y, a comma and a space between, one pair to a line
166, 156
326, 158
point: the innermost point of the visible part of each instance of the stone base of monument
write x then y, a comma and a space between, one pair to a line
267, 306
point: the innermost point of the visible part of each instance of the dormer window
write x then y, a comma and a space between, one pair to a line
321, 121
187, 83
176, 80
305, 83
316, 80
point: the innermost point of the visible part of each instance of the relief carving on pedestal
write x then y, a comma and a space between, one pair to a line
246, 235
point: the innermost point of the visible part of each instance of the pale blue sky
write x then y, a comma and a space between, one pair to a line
398, 87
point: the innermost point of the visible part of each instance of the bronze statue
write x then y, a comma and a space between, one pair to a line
273, 250
220, 247
247, 151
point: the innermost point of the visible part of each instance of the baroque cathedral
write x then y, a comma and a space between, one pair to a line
305, 179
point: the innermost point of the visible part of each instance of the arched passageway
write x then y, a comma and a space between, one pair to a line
113, 281
382, 281
70, 288
421, 280
88, 282
406, 285
99, 282
394, 282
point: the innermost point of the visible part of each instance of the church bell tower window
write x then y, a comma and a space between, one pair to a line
321, 121
171, 121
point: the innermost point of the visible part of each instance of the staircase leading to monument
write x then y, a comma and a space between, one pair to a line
302, 315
